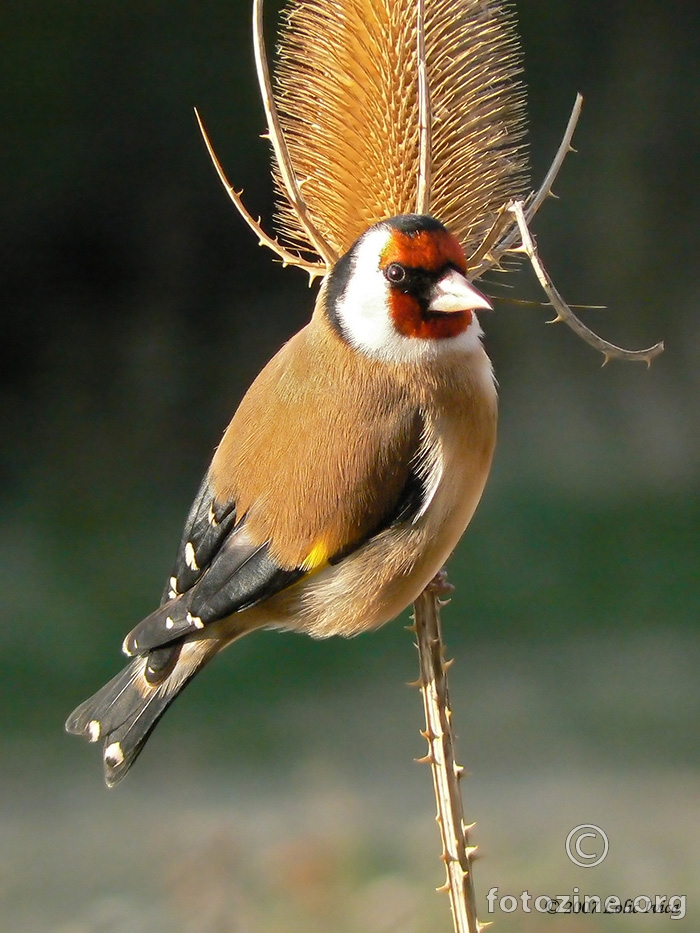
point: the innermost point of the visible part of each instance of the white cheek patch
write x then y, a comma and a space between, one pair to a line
363, 310
363, 313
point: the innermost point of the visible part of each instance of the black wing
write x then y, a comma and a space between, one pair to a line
219, 570
206, 528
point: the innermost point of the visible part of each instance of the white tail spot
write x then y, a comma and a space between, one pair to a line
114, 755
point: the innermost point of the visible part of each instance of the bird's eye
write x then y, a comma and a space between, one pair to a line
395, 273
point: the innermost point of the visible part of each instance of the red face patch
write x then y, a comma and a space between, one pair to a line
429, 251
411, 321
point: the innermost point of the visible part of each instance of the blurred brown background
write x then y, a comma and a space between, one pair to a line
280, 794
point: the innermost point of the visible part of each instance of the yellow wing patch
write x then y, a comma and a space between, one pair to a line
316, 558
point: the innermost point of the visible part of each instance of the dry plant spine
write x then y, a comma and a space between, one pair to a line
458, 854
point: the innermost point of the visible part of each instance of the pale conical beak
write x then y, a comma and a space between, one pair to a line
454, 293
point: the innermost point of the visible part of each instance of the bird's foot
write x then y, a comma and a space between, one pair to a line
440, 585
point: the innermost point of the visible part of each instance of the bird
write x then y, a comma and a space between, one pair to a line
344, 481
356, 459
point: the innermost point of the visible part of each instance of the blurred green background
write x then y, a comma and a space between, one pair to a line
280, 794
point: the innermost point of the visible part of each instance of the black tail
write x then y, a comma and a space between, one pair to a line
126, 710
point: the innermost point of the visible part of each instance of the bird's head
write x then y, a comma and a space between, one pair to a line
400, 293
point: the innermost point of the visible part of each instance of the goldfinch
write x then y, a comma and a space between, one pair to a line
341, 486
356, 459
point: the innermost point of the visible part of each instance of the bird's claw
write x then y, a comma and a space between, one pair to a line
440, 585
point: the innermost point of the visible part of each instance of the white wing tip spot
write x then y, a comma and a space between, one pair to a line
114, 756
169, 622
190, 557
212, 518
94, 730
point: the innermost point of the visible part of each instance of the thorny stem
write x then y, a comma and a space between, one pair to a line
279, 144
490, 251
314, 269
512, 225
563, 311
457, 853
424, 116
483, 259
537, 200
